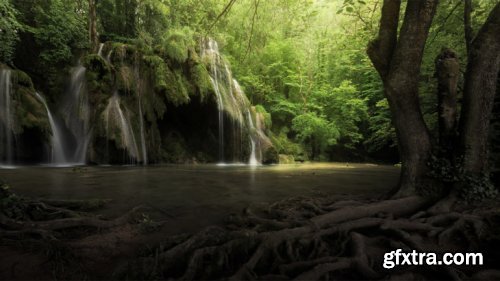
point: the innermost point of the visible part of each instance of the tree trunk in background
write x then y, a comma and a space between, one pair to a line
447, 74
468, 31
479, 94
93, 36
398, 62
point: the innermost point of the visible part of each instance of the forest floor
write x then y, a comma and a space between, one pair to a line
92, 253
303, 237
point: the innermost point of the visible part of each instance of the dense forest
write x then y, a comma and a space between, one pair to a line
88, 84
302, 64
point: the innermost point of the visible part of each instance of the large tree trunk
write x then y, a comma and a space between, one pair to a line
479, 94
447, 74
398, 62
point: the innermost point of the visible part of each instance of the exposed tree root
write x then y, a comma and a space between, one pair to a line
342, 240
26, 218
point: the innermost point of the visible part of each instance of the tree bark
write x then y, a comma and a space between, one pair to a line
398, 62
93, 35
447, 74
469, 32
479, 94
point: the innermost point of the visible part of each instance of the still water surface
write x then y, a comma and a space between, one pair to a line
191, 197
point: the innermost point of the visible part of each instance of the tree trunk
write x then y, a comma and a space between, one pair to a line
93, 36
468, 31
447, 74
479, 94
398, 62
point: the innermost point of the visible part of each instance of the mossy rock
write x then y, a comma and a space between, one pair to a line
29, 110
201, 80
22, 79
270, 156
286, 159
177, 44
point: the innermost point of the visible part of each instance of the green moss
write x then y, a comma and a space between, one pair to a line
180, 94
125, 78
201, 80
30, 112
22, 79
266, 116
158, 70
270, 156
177, 43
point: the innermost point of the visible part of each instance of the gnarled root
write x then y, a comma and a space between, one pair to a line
39, 219
341, 240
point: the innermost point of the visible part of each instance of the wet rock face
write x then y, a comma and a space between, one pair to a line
125, 105
152, 108
24, 126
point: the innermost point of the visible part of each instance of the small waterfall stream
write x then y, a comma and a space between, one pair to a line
231, 100
58, 155
253, 158
76, 113
99, 52
114, 116
6, 118
140, 92
212, 51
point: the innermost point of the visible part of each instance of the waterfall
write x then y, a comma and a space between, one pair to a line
230, 100
101, 46
6, 118
141, 117
143, 137
114, 115
253, 158
76, 113
58, 156
212, 51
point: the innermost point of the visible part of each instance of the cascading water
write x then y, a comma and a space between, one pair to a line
6, 118
143, 136
253, 157
76, 113
99, 52
58, 155
230, 99
141, 117
212, 51
114, 116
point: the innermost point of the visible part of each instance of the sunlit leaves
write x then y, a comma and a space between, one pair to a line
9, 30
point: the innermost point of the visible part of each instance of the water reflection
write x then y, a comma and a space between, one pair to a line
198, 194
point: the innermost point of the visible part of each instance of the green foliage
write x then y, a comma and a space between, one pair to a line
30, 112
303, 65
343, 105
382, 133
177, 43
119, 18
9, 30
472, 188
315, 130
268, 122
284, 145
58, 29
201, 79
477, 188
158, 68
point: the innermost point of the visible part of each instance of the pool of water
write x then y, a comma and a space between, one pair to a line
193, 196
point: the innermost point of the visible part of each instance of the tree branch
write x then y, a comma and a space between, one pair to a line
226, 10
381, 49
